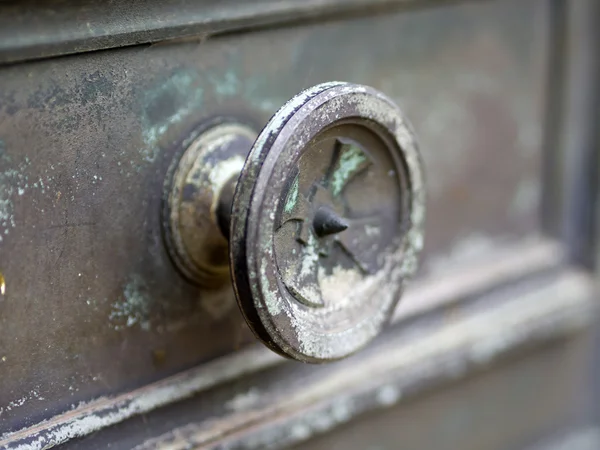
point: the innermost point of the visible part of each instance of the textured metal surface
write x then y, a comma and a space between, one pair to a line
350, 149
325, 218
505, 267
499, 409
261, 409
291, 404
92, 298
42, 28
193, 191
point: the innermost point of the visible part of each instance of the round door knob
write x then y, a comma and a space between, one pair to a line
318, 221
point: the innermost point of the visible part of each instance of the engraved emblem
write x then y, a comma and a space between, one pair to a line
316, 209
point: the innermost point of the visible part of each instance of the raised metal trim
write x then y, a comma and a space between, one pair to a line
504, 267
398, 370
43, 28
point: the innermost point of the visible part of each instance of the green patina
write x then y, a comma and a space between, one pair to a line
226, 84
180, 97
292, 197
350, 162
167, 104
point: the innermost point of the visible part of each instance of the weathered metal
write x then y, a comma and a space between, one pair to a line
325, 225
453, 292
417, 357
340, 146
192, 194
48, 28
91, 294
102, 341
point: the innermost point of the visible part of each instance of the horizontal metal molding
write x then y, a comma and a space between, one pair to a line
503, 268
40, 29
399, 370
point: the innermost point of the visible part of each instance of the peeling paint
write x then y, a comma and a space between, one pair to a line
310, 257
318, 421
379, 291
338, 288
103, 412
347, 341
407, 366
273, 302
310, 423
193, 194
404, 82
533, 316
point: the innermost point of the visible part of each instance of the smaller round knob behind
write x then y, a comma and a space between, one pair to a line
195, 221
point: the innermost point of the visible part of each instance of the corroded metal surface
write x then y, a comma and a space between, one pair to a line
192, 192
349, 149
296, 410
325, 218
499, 409
291, 404
507, 266
91, 294
57, 27
261, 408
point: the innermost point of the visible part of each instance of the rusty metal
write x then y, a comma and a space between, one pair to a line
325, 221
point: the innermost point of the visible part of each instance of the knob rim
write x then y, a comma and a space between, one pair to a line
282, 325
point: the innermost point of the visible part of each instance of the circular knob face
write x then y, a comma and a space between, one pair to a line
326, 222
